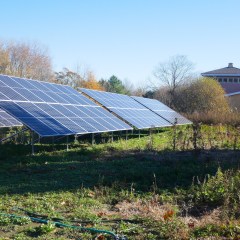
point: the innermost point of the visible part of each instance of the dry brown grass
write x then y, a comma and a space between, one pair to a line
215, 117
143, 209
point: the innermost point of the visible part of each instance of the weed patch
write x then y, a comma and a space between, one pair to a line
133, 188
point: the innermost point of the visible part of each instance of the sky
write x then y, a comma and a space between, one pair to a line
126, 38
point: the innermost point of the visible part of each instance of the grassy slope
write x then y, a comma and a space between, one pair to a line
132, 179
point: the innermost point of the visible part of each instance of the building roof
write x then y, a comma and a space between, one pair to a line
231, 88
229, 71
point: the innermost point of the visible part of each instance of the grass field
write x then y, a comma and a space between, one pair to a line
137, 188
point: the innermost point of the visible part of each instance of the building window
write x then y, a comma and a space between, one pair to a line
225, 79
230, 80
235, 80
219, 80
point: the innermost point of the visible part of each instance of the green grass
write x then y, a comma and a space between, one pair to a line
138, 179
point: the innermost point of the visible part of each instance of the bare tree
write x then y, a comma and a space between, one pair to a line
140, 91
174, 73
25, 60
70, 78
162, 94
129, 87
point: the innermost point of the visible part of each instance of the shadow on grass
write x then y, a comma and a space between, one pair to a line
89, 167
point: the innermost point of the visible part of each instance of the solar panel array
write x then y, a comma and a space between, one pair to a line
162, 110
7, 120
128, 109
51, 109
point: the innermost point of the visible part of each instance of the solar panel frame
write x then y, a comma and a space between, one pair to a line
162, 110
127, 109
45, 104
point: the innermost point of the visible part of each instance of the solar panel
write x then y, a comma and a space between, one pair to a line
162, 110
127, 108
52, 109
7, 120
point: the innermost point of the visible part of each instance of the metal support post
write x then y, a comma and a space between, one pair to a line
93, 140
174, 134
67, 142
126, 135
32, 142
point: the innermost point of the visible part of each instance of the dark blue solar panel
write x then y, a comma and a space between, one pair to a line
90, 112
97, 124
84, 124
8, 81
69, 98
83, 100
33, 109
67, 110
71, 125
26, 84
28, 95
70, 90
3, 97
15, 110
44, 96
7, 120
64, 89
11, 94
42, 128
3, 84
105, 122
57, 97
4, 122
60, 110
162, 110
43, 87
128, 109
14, 122
50, 110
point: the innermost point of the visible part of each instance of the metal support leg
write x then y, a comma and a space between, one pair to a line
32, 142
15, 136
67, 143
174, 134
93, 140
126, 135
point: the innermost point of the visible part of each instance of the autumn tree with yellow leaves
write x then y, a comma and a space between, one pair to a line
91, 82
85, 79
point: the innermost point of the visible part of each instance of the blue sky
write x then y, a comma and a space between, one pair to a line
127, 38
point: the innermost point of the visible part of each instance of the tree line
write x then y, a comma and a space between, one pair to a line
176, 85
30, 60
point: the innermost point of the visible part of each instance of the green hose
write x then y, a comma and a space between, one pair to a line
59, 224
